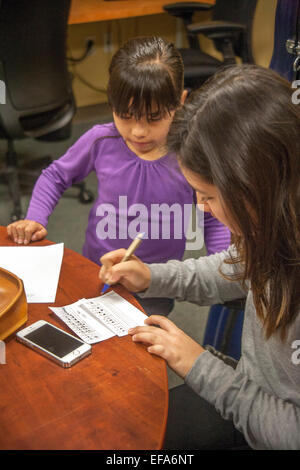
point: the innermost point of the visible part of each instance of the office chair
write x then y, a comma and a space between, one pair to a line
39, 101
230, 30
286, 52
223, 330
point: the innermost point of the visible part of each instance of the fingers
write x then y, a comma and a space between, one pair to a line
153, 341
19, 233
39, 234
158, 320
154, 336
168, 342
121, 270
113, 257
24, 231
157, 349
114, 274
132, 274
151, 338
108, 260
161, 321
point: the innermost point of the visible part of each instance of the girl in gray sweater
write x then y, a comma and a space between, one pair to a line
238, 145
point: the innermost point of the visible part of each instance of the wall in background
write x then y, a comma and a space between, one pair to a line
110, 35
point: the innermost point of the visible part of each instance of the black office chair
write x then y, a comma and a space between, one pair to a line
230, 30
39, 99
223, 333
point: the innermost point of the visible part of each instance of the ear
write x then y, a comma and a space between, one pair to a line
183, 96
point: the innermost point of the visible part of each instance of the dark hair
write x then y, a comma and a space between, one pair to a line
241, 133
145, 75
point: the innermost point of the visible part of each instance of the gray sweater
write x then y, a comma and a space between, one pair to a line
262, 395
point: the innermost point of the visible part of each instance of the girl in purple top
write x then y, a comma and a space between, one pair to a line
141, 188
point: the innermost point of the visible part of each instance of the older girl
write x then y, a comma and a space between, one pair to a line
238, 141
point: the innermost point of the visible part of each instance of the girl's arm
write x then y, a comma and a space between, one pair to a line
266, 420
71, 168
195, 280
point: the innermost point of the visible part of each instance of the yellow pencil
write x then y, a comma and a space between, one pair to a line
129, 252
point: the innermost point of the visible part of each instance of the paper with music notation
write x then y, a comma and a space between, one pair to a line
100, 318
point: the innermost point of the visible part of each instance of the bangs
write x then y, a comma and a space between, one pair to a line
144, 90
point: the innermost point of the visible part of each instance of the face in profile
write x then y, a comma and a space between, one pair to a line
209, 197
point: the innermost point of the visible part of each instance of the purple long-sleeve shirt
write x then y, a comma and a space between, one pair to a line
134, 195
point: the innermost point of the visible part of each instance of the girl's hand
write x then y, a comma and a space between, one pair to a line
26, 231
132, 274
169, 342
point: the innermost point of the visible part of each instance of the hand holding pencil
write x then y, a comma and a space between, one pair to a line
124, 267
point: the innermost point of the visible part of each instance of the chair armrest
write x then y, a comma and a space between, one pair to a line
58, 121
216, 29
180, 8
230, 361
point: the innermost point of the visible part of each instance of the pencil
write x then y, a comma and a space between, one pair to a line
129, 252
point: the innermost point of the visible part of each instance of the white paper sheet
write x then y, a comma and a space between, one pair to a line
121, 312
37, 266
100, 318
82, 323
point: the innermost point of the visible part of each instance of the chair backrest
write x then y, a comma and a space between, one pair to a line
185, 11
33, 61
287, 27
238, 11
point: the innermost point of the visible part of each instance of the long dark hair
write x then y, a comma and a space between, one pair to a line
146, 73
241, 133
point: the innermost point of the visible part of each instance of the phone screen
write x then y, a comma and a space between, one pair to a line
53, 340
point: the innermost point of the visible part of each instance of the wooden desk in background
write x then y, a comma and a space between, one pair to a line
88, 11
116, 398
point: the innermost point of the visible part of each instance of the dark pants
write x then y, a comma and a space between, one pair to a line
195, 424
156, 305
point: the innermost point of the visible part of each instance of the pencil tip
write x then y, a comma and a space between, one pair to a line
104, 288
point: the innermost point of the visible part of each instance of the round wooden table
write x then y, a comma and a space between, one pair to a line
116, 398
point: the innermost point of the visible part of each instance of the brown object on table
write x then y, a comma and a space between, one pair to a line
13, 304
116, 398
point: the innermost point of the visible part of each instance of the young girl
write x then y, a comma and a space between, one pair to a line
135, 172
238, 141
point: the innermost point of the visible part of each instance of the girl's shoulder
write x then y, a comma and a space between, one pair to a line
100, 131
97, 135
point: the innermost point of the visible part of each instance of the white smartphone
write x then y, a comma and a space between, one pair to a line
54, 343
